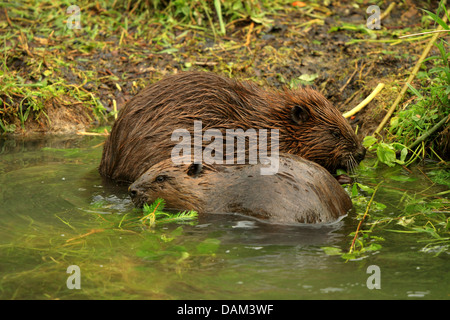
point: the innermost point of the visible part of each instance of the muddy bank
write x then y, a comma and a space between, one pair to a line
323, 45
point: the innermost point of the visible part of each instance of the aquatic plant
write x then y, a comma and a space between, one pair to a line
154, 214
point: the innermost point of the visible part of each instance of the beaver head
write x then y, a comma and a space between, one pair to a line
176, 184
314, 129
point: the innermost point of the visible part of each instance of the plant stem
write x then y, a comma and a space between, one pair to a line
219, 14
366, 101
93, 231
418, 34
429, 132
151, 213
364, 216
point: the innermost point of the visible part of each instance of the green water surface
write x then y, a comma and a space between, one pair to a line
55, 211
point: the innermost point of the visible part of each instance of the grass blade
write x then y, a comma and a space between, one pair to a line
218, 7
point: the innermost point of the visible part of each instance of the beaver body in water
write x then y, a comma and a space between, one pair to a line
301, 192
309, 125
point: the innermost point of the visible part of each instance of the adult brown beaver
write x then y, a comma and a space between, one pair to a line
309, 125
301, 192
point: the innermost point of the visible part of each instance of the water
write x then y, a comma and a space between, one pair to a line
56, 212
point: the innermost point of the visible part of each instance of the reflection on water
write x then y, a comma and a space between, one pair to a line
56, 211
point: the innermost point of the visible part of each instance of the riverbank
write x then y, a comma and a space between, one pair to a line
57, 79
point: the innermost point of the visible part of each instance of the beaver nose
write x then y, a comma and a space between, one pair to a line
133, 192
360, 154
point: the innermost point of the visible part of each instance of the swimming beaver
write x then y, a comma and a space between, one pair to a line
301, 192
309, 125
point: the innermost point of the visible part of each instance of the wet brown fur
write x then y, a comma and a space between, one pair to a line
141, 135
301, 191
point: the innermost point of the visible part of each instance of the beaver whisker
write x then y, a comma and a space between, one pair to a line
349, 164
352, 163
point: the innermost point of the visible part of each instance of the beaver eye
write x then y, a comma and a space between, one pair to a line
160, 179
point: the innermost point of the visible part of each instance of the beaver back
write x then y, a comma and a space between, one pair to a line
300, 192
309, 125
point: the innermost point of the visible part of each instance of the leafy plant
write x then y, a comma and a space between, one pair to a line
424, 215
154, 214
417, 124
386, 152
415, 128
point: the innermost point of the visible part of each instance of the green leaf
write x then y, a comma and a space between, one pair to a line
414, 90
354, 190
218, 7
373, 247
367, 189
437, 19
401, 178
378, 206
169, 50
331, 251
154, 214
444, 54
386, 154
308, 77
47, 72
160, 203
394, 122
304, 79
403, 154
179, 217
369, 141
208, 246
350, 256
438, 69
404, 222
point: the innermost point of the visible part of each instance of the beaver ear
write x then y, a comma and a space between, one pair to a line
194, 169
299, 114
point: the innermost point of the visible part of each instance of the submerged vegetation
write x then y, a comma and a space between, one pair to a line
421, 212
420, 130
154, 214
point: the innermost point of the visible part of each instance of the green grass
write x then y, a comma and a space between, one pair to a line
430, 107
124, 44
44, 61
